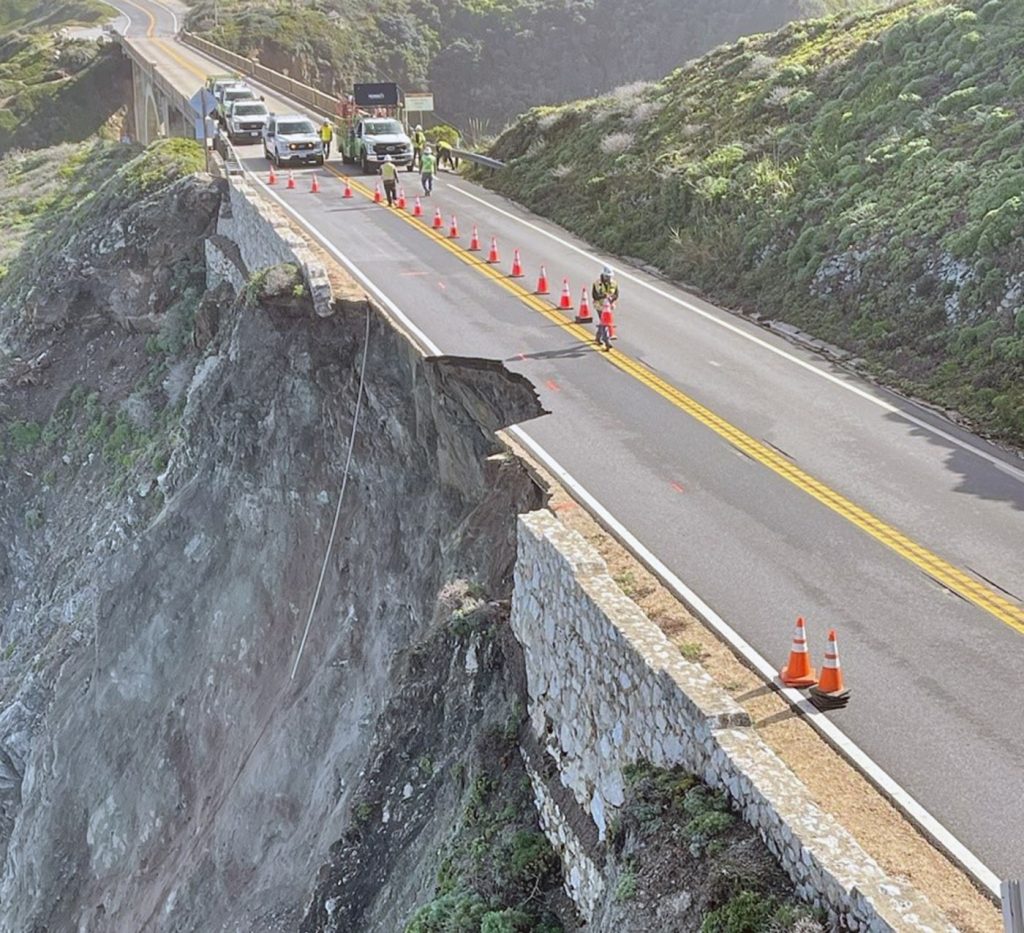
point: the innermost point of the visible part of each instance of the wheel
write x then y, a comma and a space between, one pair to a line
277, 160
345, 160
366, 165
320, 161
267, 155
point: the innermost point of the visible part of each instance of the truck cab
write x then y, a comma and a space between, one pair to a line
227, 94
366, 140
245, 121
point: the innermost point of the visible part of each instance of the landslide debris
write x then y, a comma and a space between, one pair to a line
859, 177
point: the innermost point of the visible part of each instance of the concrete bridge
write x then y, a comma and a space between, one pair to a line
160, 94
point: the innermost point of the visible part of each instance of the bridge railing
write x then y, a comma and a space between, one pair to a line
310, 96
325, 104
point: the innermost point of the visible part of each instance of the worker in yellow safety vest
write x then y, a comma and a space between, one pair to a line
605, 288
326, 135
419, 140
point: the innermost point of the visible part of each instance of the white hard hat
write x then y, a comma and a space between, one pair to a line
427, 149
387, 158
418, 128
607, 270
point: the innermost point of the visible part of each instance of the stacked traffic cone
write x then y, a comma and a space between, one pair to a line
438, 220
271, 176
417, 208
517, 265
542, 282
830, 693
453, 230
585, 316
798, 671
493, 256
474, 240
291, 180
566, 301
347, 193
315, 187
377, 198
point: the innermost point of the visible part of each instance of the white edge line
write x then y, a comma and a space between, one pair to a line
901, 798
1017, 472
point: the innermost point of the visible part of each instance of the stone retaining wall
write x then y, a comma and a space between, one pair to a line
606, 688
264, 238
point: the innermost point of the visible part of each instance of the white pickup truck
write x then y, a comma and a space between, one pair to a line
245, 121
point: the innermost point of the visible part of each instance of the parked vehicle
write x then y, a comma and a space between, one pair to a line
229, 94
292, 139
246, 120
372, 127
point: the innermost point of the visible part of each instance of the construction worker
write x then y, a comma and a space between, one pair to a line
390, 175
326, 135
604, 327
428, 165
419, 142
444, 154
605, 287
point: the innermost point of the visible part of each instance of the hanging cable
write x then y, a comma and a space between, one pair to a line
341, 495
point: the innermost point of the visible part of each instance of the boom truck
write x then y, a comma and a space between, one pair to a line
371, 127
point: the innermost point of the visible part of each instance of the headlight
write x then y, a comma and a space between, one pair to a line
291, 145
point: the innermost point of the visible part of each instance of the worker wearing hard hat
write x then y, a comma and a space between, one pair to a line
419, 142
605, 287
428, 166
389, 174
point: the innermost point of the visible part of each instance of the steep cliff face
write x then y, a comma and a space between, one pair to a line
164, 515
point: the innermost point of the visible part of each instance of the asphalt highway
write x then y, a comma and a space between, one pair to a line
772, 482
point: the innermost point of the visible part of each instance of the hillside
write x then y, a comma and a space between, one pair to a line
55, 88
485, 60
860, 177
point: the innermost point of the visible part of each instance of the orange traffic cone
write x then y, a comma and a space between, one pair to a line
417, 208
401, 199
542, 282
492, 256
377, 198
315, 187
830, 693
474, 241
798, 671
585, 315
453, 230
291, 180
347, 193
271, 176
566, 302
610, 308
438, 220
517, 265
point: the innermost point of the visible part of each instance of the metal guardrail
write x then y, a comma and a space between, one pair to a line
478, 159
1013, 907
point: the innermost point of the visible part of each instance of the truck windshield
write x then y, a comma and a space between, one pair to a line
242, 93
249, 110
296, 128
382, 128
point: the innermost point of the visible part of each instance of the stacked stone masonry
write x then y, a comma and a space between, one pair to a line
264, 238
606, 689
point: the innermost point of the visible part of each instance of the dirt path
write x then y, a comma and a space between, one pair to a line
837, 787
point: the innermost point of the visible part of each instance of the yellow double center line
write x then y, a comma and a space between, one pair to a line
942, 571
954, 579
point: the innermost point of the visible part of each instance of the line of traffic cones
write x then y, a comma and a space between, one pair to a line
826, 692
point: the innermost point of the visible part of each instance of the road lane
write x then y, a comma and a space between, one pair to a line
754, 546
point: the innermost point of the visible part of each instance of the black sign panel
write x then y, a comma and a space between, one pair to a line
381, 94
